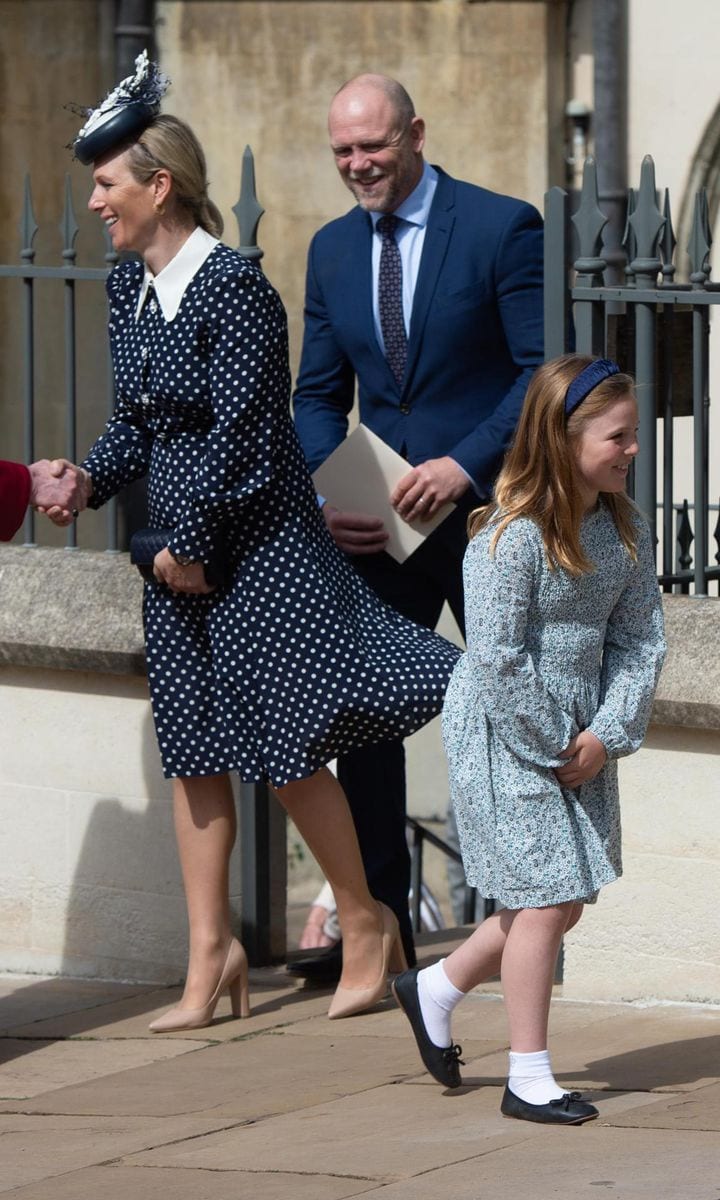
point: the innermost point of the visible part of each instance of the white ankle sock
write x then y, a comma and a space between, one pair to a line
531, 1078
438, 997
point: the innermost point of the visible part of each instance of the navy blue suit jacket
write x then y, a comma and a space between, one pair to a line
476, 334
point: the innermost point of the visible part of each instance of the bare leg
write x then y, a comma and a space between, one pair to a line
205, 827
320, 811
522, 945
528, 970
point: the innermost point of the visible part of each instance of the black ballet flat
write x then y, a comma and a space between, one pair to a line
570, 1109
441, 1062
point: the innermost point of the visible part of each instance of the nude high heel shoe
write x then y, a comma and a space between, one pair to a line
234, 978
348, 1001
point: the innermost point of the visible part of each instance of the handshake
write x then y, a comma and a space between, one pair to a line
59, 489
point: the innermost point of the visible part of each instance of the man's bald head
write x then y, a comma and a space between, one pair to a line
377, 141
393, 91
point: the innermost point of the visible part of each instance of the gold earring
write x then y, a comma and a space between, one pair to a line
159, 209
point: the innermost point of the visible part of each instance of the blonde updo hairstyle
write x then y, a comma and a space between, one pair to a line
169, 144
539, 477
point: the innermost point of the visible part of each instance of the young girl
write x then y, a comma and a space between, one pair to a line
565, 644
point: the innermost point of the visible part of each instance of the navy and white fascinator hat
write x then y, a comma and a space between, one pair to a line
123, 114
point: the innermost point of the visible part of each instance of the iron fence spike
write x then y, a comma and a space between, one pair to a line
668, 241
248, 209
28, 224
589, 222
111, 254
647, 222
698, 247
68, 224
685, 538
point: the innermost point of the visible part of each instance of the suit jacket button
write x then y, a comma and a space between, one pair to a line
405, 407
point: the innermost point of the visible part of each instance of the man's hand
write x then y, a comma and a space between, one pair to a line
424, 489
190, 579
313, 935
586, 756
59, 489
355, 533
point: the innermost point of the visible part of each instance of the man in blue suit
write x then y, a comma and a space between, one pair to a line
441, 330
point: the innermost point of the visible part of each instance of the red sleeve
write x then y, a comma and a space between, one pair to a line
14, 497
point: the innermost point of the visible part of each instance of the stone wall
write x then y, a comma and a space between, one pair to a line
487, 78
655, 933
89, 883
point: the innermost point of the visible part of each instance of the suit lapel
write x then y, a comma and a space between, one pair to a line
435, 247
357, 287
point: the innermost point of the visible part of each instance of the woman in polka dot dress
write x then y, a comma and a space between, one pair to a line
294, 660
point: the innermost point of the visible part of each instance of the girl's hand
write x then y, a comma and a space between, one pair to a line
585, 757
190, 579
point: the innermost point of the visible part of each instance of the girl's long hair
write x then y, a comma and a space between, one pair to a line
539, 476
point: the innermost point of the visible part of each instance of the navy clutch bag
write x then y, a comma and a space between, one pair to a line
146, 543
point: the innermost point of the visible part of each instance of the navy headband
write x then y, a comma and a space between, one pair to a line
589, 378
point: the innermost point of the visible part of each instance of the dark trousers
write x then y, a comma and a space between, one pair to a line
374, 776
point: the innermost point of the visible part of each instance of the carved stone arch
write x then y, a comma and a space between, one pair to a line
704, 173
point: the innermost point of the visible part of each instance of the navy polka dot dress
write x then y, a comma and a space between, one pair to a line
295, 660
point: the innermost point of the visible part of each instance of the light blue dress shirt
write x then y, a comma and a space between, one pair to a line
413, 216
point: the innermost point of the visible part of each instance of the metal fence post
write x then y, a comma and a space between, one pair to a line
556, 297
647, 223
28, 229
263, 881
589, 222
699, 254
69, 231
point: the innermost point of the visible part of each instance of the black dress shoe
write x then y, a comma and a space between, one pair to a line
323, 967
570, 1109
441, 1062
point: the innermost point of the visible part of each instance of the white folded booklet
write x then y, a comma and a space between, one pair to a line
360, 476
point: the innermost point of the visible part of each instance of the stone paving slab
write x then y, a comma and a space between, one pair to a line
661, 1049
480, 1017
47, 1147
36, 1068
247, 1080
273, 1002
694, 1110
385, 1134
389, 1133
580, 1163
26, 997
150, 1183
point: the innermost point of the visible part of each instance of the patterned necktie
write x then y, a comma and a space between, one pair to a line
390, 302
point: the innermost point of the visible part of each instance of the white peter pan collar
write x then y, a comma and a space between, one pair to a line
172, 282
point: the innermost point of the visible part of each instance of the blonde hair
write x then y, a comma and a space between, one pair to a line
539, 476
169, 144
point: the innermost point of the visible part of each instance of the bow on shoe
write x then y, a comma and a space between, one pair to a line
452, 1054
565, 1100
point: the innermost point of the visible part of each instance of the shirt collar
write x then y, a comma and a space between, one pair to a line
172, 282
416, 208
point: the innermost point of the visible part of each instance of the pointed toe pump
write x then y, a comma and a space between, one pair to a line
233, 978
348, 1001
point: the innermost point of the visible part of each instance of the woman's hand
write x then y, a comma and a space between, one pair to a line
190, 579
585, 757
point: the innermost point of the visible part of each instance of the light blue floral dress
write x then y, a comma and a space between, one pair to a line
548, 655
